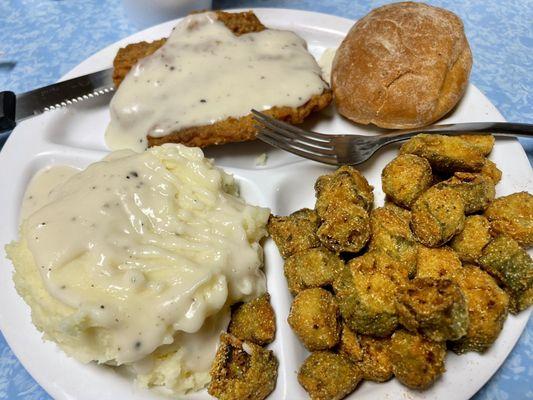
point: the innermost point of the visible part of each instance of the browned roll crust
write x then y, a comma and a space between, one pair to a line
403, 65
230, 129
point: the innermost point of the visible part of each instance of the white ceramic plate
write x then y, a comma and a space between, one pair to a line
74, 136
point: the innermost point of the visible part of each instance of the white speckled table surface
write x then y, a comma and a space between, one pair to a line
43, 39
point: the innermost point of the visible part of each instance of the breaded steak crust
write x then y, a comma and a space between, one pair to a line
228, 130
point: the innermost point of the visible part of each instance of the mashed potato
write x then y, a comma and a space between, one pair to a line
134, 262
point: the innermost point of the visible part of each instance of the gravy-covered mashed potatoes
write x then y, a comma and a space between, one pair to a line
135, 261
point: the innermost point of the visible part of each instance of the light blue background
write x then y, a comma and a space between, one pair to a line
42, 40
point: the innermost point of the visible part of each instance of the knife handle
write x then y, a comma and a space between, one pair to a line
8, 102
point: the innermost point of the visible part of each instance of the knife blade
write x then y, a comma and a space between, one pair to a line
17, 107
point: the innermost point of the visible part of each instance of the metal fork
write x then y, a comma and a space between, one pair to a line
356, 149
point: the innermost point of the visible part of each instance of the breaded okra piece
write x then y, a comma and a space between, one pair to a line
314, 318
483, 143
447, 154
405, 178
328, 376
295, 232
435, 308
476, 190
375, 364
365, 291
513, 216
344, 228
512, 267
344, 185
439, 263
487, 310
469, 243
370, 354
242, 371
254, 321
310, 268
417, 362
437, 216
349, 344
491, 171
392, 235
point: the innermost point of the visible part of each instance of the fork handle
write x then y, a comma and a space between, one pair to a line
506, 129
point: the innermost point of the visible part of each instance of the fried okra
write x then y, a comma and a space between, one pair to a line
344, 185
365, 292
436, 308
512, 267
242, 371
483, 143
405, 178
491, 171
476, 190
349, 344
314, 317
295, 232
375, 364
311, 268
344, 228
417, 362
446, 154
437, 216
513, 216
469, 243
439, 263
370, 354
328, 376
487, 310
254, 321
392, 235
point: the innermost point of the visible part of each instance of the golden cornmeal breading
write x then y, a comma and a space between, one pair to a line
487, 310
513, 216
242, 371
230, 129
437, 263
469, 243
349, 344
512, 267
294, 233
405, 178
328, 376
446, 154
365, 291
314, 317
491, 171
416, 361
435, 308
345, 185
392, 235
437, 216
375, 363
476, 190
316, 267
483, 143
344, 228
254, 321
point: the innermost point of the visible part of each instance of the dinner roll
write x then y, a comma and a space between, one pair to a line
403, 65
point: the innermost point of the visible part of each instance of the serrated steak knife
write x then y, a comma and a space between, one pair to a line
16, 107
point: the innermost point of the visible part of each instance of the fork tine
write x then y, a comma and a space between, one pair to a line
288, 135
277, 124
284, 146
297, 142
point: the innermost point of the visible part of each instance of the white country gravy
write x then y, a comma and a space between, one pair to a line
204, 74
146, 245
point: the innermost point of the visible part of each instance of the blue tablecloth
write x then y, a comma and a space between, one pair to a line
43, 39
